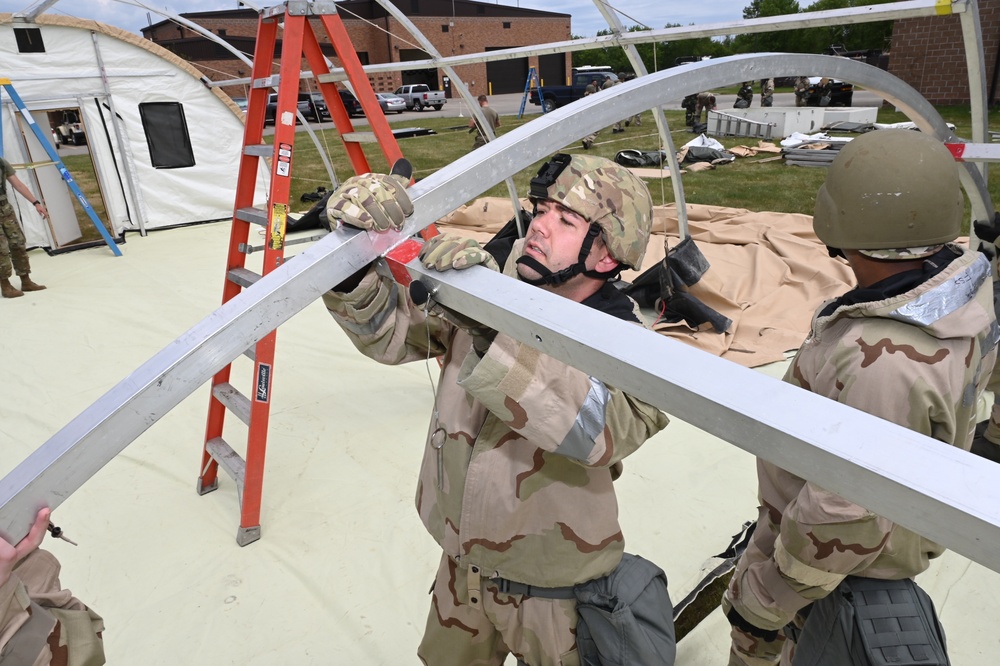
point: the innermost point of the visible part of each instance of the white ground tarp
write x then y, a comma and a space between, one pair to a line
68, 74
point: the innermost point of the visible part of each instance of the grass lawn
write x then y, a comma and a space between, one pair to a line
746, 183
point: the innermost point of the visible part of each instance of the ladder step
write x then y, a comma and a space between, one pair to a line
357, 137
266, 82
261, 150
234, 401
242, 276
228, 460
253, 215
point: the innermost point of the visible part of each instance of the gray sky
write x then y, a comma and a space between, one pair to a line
586, 19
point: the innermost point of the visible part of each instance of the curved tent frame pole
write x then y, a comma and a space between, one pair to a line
69, 458
661, 120
463, 90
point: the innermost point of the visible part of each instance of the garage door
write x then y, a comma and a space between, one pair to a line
506, 76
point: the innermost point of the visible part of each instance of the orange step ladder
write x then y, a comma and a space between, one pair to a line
298, 40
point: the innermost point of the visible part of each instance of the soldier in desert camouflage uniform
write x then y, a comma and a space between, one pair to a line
42, 624
891, 204
517, 478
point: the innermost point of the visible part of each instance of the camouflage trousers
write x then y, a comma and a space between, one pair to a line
748, 650
13, 246
539, 632
53, 626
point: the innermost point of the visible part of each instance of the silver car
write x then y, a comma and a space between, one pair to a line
390, 102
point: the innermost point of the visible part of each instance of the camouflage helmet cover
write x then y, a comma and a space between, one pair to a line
612, 197
888, 190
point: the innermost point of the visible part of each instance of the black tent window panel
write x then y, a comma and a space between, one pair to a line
167, 135
29, 40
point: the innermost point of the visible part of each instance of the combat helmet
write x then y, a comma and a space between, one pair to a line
609, 196
892, 194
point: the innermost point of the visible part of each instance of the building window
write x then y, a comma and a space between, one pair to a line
506, 25
444, 28
166, 135
222, 32
29, 40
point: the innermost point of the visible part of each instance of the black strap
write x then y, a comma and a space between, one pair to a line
513, 587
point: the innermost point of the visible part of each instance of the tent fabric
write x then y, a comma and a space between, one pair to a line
68, 74
768, 273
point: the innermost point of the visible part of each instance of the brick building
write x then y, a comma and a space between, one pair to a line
928, 53
454, 27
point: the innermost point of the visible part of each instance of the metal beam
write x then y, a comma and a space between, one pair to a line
847, 16
940, 491
63, 463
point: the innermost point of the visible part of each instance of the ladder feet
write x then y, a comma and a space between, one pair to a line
247, 535
204, 490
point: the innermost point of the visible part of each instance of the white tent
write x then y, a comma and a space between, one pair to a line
165, 146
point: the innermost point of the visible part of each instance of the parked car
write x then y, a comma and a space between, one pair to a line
241, 102
70, 129
832, 93
310, 105
351, 103
390, 102
418, 96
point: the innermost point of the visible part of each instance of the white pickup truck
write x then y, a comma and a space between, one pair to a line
420, 95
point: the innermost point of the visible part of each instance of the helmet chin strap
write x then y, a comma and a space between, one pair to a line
548, 277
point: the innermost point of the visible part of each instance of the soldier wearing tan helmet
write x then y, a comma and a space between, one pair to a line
516, 482
914, 343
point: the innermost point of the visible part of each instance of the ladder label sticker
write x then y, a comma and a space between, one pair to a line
283, 166
263, 391
279, 219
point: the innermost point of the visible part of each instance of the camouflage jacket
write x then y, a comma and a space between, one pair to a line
529, 445
42, 624
919, 359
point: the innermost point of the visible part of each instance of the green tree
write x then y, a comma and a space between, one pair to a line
783, 41
856, 37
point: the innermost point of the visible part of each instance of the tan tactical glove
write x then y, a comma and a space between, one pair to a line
447, 251
372, 201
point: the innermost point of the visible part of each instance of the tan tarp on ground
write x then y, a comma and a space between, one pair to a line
768, 273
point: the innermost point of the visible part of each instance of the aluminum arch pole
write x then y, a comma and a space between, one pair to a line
975, 60
62, 464
661, 121
848, 16
942, 492
463, 90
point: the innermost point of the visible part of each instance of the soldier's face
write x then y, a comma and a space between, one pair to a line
554, 240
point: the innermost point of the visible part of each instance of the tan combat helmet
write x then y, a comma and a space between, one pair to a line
605, 194
892, 194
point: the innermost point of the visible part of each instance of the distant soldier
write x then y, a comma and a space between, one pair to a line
825, 91
891, 205
705, 103
801, 90
492, 117
744, 96
690, 105
766, 92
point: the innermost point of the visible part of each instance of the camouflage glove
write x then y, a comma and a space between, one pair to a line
447, 251
373, 201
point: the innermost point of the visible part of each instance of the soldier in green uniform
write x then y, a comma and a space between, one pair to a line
13, 246
42, 624
516, 484
891, 204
